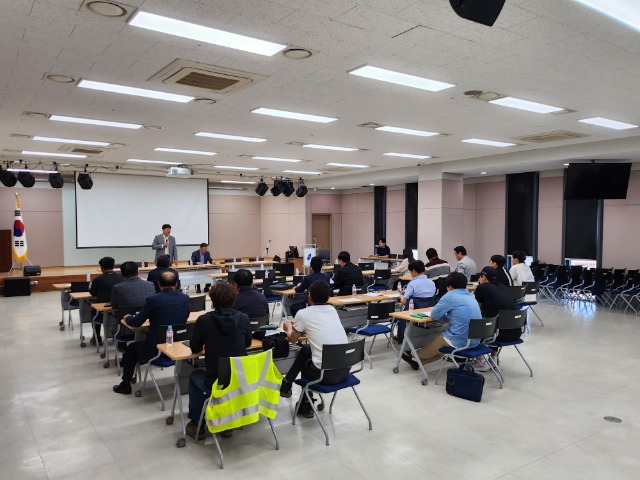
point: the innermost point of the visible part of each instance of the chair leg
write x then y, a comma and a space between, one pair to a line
444, 360
202, 412
368, 357
495, 370
332, 400
362, 405
144, 381
524, 360
155, 384
274, 434
538, 316
315, 411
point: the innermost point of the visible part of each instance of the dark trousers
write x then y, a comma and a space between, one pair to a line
198, 394
305, 366
401, 326
129, 361
206, 287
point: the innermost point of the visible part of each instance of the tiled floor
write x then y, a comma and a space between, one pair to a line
60, 419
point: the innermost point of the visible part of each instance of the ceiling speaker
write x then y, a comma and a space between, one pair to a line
8, 179
479, 11
288, 188
277, 188
26, 179
56, 180
262, 188
85, 182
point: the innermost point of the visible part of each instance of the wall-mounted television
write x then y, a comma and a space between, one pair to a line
596, 180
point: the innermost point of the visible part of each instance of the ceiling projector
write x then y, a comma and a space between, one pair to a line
182, 171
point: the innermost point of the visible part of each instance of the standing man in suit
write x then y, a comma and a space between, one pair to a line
165, 244
348, 275
169, 307
201, 257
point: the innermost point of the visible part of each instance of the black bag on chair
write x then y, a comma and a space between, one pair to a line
465, 383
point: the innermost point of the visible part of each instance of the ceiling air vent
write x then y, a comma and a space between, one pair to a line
556, 136
200, 77
88, 151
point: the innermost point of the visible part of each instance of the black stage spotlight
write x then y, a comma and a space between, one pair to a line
277, 188
26, 179
56, 180
7, 178
288, 188
85, 182
302, 190
479, 11
262, 188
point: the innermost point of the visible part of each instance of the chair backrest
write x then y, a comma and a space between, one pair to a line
576, 273
197, 303
343, 355
297, 279
259, 274
510, 319
474, 278
122, 311
257, 322
587, 277
379, 312
230, 260
482, 328
79, 287
393, 256
562, 275
366, 265
517, 292
422, 302
442, 288
230, 276
285, 269
382, 274
103, 297
531, 288
181, 332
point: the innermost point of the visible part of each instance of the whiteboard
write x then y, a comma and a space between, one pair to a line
129, 210
309, 253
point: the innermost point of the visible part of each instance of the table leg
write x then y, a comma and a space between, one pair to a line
177, 396
406, 341
105, 343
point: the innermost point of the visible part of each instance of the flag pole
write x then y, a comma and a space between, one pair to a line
19, 241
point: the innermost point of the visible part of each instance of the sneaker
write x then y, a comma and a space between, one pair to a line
123, 388
305, 410
285, 389
481, 366
191, 429
409, 359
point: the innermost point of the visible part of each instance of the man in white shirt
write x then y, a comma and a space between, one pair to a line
520, 271
466, 265
322, 325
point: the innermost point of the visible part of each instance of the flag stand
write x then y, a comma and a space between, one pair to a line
19, 265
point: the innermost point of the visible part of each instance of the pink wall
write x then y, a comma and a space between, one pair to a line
42, 215
550, 220
357, 224
490, 221
234, 225
469, 219
283, 221
395, 220
622, 228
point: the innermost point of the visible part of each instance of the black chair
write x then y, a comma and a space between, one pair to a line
259, 274
441, 288
285, 269
122, 335
474, 278
257, 322
531, 298
270, 295
230, 276
377, 315
297, 279
334, 357
366, 265
381, 279
393, 256
517, 293
510, 320
197, 303
484, 329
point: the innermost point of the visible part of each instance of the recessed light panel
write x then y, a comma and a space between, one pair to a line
407, 131
330, 147
293, 115
277, 159
200, 33
69, 140
347, 165
520, 104
231, 167
134, 91
625, 11
159, 162
406, 155
490, 143
302, 172
605, 122
47, 154
179, 150
398, 78
237, 181
90, 121
223, 136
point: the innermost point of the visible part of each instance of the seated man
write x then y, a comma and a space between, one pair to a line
202, 257
421, 289
466, 264
102, 286
493, 296
169, 307
520, 271
458, 306
348, 275
248, 300
163, 264
222, 332
436, 267
322, 325
293, 305
498, 262
383, 251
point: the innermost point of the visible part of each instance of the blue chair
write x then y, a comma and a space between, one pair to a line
625, 288
381, 279
511, 319
272, 297
340, 356
614, 280
484, 329
180, 332
377, 315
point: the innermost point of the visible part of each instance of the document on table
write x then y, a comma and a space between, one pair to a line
392, 295
349, 300
371, 295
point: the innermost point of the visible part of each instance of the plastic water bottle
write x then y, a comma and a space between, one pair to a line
234, 259
411, 305
185, 290
257, 259
189, 262
354, 290
88, 277
262, 266
169, 336
399, 287
297, 271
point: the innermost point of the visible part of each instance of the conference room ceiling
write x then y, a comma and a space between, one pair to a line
548, 51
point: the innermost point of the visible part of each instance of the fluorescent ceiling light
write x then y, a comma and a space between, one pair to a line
293, 115
347, 165
179, 150
30, 171
400, 78
68, 140
490, 143
278, 159
407, 131
625, 11
89, 121
231, 167
46, 154
237, 181
330, 147
229, 137
226, 188
565, 164
483, 173
137, 92
301, 172
333, 188
201, 33
406, 155
160, 162
605, 122
520, 104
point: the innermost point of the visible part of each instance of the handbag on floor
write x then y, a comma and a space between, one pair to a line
464, 382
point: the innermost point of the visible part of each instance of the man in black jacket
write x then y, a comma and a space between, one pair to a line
169, 307
498, 262
163, 264
101, 288
223, 332
249, 300
348, 275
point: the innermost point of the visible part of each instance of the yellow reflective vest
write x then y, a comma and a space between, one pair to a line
254, 390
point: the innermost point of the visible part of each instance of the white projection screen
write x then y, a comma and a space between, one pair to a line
129, 210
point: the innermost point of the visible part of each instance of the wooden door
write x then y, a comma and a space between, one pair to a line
321, 232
